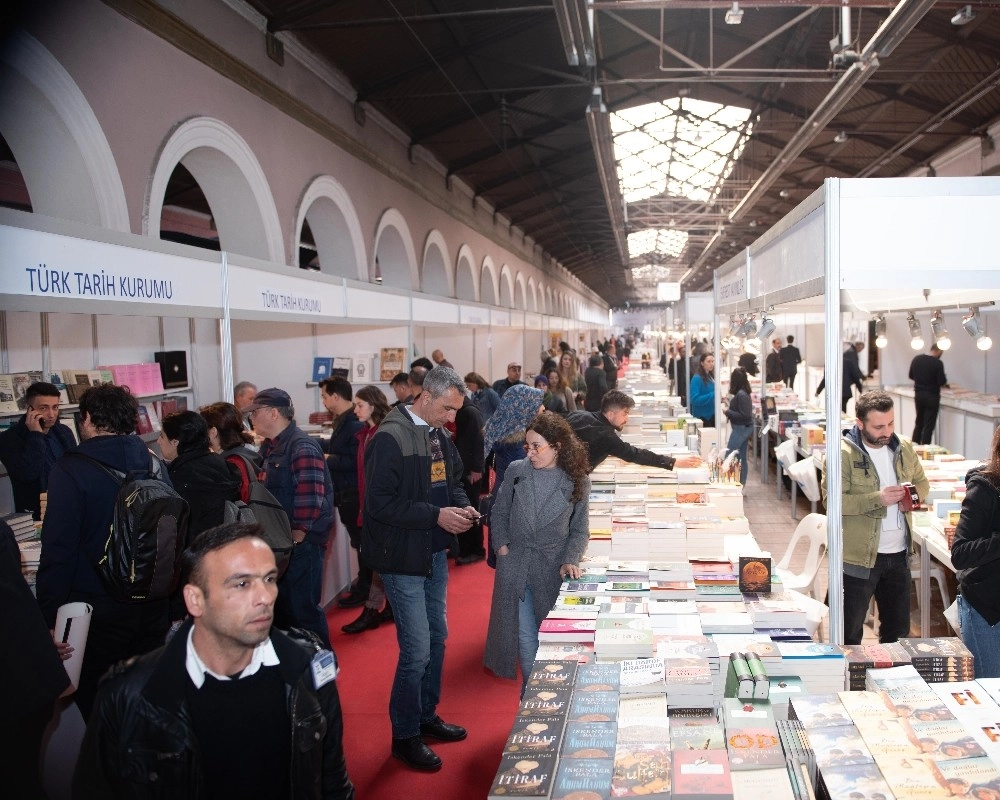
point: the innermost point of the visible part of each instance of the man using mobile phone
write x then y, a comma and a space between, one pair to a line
31, 446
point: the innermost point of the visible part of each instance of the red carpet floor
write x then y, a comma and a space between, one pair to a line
471, 696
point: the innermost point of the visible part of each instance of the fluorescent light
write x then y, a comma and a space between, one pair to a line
575, 18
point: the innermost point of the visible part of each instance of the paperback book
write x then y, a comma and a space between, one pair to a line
589, 740
583, 779
536, 736
522, 775
642, 771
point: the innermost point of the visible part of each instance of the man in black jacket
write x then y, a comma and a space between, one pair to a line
414, 505
599, 431
469, 441
927, 374
342, 461
230, 707
790, 360
32, 446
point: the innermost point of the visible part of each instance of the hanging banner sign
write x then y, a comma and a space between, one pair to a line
732, 286
50, 266
263, 293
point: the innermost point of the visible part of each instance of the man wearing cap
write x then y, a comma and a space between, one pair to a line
513, 377
295, 473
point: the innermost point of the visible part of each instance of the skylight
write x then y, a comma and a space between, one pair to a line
679, 148
662, 242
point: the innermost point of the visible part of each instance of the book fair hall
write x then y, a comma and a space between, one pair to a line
573, 400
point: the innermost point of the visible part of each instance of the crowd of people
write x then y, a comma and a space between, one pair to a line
241, 647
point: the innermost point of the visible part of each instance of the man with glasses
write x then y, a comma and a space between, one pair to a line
599, 431
414, 506
295, 473
874, 466
513, 378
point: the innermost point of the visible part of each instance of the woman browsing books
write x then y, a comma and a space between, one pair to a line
539, 532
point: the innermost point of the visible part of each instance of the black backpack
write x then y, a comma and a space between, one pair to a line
264, 509
148, 533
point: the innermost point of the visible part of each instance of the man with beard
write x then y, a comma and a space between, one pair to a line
874, 465
230, 707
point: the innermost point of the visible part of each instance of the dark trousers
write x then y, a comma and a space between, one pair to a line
20, 758
889, 583
299, 592
928, 404
790, 379
470, 543
118, 631
349, 516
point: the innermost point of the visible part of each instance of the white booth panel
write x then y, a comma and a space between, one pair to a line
270, 296
126, 340
793, 258
71, 343
950, 428
376, 304
437, 311
978, 437
499, 318
474, 315
24, 342
532, 321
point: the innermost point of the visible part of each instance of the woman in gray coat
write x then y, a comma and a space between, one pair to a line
539, 529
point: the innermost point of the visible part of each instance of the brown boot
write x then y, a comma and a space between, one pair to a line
368, 621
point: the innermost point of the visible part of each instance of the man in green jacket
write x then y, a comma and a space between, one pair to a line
874, 465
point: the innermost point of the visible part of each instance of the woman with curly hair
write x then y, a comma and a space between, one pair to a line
539, 532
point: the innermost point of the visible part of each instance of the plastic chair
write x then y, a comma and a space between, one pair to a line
811, 529
936, 574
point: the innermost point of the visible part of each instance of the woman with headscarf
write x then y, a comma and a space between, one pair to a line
503, 438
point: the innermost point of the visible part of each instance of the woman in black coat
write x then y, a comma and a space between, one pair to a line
975, 553
201, 477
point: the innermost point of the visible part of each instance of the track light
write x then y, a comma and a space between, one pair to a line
734, 326
734, 16
881, 340
964, 16
749, 327
916, 336
941, 338
576, 27
973, 324
767, 327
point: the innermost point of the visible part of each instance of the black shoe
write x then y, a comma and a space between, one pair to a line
368, 621
386, 615
414, 753
438, 729
469, 559
352, 600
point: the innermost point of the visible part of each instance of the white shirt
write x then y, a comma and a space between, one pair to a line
263, 656
893, 538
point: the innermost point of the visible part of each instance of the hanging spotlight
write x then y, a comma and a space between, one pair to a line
767, 327
749, 327
916, 336
734, 325
881, 340
973, 324
939, 332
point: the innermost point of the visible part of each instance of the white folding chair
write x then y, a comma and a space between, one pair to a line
812, 530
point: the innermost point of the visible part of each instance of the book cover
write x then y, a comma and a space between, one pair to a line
943, 740
888, 737
754, 748
143, 424
574, 600
818, 710
391, 362
970, 777
785, 686
596, 678
552, 673
561, 630
522, 775
642, 676
583, 779
544, 702
581, 652
536, 736
341, 367
701, 775
696, 733
864, 706
736, 713
589, 740
839, 746
857, 780
773, 783
8, 402
593, 707
912, 777
754, 574
641, 771
321, 368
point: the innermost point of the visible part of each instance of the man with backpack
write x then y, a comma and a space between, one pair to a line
295, 473
82, 498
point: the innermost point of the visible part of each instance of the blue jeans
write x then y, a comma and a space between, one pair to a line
419, 606
299, 592
889, 583
527, 635
739, 439
981, 638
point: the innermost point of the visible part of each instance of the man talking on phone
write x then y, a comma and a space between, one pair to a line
30, 447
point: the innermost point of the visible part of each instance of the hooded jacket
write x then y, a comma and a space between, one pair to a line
140, 743
861, 505
602, 440
975, 552
23, 453
400, 515
206, 480
78, 517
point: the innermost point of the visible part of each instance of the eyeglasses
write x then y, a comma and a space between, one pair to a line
535, 448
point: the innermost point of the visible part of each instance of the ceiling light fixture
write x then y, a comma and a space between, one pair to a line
734, 16
881, 340
941, 338
973, 324
916, 335
749, 327
841, 137
767, 327
963, 16
752, 345
601, 139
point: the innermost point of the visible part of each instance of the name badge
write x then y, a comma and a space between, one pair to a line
324, 668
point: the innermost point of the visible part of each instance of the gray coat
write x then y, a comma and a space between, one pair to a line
539, 545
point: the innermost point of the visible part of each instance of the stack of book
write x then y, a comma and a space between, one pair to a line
22, 525
626, 637
940, 659
567, 630
667, 540
752, 736
642, 676
863, 657
775, 610
674, 647
689, 683
642, 754
724, 617
821, 666
782, 689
